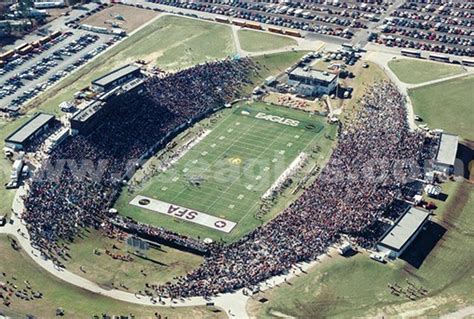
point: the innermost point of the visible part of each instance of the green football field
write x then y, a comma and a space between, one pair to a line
228, 171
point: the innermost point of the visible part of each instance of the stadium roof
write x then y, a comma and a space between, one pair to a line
84, 114
314, 74
404, 228
28, 129
447, 150
115, 75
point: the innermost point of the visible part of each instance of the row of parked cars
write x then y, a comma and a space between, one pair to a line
441, 26
42, 67
334, 18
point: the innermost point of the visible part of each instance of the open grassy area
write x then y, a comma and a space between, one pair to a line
357, 286
6, 195
255, 41
447, 105
235, 164
76, 302
413, 71
157, 265
272, 64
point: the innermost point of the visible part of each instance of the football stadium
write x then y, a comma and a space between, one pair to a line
236, 159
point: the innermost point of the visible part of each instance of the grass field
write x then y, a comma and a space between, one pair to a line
357, 286
272, 64
6, 195
413, 71
77, 303
236, 164
159, 264
447, 105
254, 41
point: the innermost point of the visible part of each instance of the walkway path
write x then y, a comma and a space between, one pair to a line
302, 44
452, 77
466, 312
382, 59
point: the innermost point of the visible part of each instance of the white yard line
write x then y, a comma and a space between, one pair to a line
183, 150
215, 161
289, 171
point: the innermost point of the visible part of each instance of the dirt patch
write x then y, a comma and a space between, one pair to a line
121, 16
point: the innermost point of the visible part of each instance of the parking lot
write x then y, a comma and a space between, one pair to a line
25, 76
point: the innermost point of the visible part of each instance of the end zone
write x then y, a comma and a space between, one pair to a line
183, 213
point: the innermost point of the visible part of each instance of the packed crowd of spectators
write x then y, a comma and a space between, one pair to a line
439, 26
366, 172
82, 178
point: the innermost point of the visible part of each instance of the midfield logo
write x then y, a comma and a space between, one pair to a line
277, 119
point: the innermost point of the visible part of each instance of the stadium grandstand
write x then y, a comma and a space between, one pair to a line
115, 78
28, 131
403, 232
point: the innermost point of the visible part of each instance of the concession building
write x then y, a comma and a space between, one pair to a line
28, 131
311, 82
115, 78
402, 233
446, 156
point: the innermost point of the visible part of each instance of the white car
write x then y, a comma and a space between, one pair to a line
377, 257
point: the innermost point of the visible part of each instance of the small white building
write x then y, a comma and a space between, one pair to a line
394, 242
446, 155
311, 82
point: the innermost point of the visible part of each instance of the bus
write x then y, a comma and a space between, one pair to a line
5, 56
293, 33
253, 25
239, 23
467, 62
439, 58
221, 20
275, 30
26, 50
411, 53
